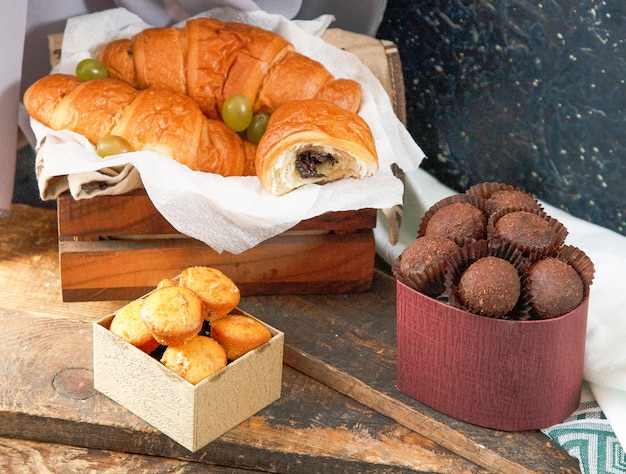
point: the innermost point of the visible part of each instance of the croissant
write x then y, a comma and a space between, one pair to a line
209, 60
153, 119
313, 141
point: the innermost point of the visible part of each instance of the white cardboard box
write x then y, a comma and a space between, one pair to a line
192, 415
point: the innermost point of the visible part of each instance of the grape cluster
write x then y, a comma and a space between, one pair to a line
237, 115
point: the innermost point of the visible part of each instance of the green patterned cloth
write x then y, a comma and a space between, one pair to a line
587, 435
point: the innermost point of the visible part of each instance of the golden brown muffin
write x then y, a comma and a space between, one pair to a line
165, 282
219, 293
196, 359
173, 314
128, 325
239, 334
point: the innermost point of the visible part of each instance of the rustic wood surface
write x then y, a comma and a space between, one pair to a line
129, 246
346, 342
349, 344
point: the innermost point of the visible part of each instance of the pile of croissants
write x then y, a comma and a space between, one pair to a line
166, 86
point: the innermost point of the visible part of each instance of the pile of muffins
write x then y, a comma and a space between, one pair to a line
191, 324
493, 251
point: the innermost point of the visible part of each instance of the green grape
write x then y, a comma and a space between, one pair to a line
112, 145
89, 69
237, 112
257, 127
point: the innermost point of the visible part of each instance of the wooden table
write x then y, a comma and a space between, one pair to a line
339, 410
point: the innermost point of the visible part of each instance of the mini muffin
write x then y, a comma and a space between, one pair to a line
173, 314
128, 325
490, 286
554, 287
196, 359
422, 263
219, 293
239, 334
458, 221
166, 282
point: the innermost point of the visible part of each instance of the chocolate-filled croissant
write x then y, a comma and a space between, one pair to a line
209, 60
313, 141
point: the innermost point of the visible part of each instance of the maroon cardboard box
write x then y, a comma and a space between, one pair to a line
500, 374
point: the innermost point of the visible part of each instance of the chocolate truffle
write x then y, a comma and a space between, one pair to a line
554, 287
527, 230
422, 263
511, 199
459, 221
490, 286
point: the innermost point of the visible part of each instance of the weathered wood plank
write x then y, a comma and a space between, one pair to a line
51, 398
46, 388
285, 264
127, 247
31, 457
349, 344
345, 341
133, 214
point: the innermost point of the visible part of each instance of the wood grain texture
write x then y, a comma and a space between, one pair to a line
128, 247
47, 395
311, 428
350, 344
133, 214
31, 457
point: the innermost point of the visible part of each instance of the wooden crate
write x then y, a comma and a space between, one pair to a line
119, 247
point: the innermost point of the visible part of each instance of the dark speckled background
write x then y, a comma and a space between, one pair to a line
530, 93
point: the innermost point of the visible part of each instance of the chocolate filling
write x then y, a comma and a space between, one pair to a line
307, 162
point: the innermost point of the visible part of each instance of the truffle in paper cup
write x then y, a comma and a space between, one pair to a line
556, 285
496, 373
487, 278
499, 196
532, 231
459, 217
422, 264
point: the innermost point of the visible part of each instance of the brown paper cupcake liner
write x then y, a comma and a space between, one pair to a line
428, 279
541, 249
474, 201
546, 305
551, 290
474, 251
485, 190
488, 190
581, 262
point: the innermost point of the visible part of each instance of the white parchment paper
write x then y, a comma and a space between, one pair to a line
234, 214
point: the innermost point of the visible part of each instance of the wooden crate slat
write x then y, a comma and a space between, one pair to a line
285, 264
134, 214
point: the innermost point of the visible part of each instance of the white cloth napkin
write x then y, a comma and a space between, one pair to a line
235, 214
605, 352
